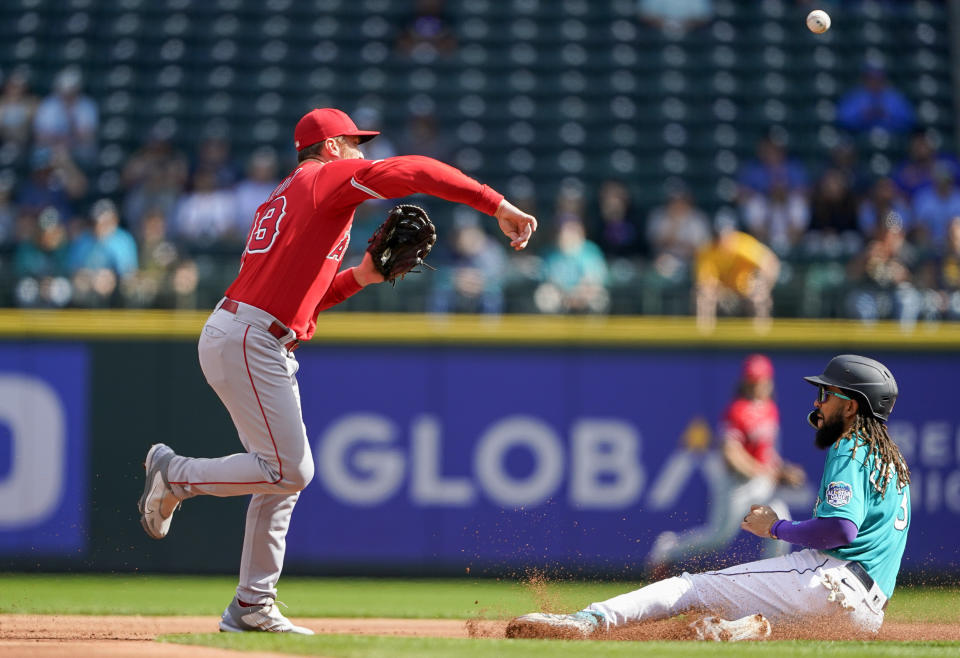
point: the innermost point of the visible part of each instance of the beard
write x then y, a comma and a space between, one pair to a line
829, 432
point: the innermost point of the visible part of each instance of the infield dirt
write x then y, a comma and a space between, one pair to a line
56, 636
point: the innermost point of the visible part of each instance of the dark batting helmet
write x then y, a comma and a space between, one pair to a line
868, 380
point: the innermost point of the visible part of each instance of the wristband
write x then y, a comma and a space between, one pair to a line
773, 528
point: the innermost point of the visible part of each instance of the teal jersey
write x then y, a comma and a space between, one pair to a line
847, 492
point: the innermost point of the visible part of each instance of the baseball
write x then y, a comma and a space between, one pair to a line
818, 21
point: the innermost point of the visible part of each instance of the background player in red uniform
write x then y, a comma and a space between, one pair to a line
290, 271
754, 470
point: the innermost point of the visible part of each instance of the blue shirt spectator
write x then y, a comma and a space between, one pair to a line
917, 170
933, 208
55, 181
772, 168
574, 272
570, 267
107, 247
68, 119
875, 104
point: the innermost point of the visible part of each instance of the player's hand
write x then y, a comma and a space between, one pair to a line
792, 475
365, 273
759, 520
515, 224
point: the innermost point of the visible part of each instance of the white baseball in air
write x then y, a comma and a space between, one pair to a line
818, 21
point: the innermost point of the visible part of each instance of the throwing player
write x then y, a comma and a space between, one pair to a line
754, 471
290, 271
854, 543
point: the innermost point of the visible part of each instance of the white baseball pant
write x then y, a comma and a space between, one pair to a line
255, 377
807, 585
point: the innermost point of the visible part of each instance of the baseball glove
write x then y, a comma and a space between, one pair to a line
402, 242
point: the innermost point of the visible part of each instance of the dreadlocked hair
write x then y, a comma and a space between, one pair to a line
870, 432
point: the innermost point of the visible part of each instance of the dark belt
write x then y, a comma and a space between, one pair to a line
276, 329
861, 574
857, 570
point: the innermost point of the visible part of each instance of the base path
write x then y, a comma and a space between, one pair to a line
113, 636
69, 636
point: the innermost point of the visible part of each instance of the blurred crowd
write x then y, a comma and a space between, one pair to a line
68, 249
863, 246
853, 244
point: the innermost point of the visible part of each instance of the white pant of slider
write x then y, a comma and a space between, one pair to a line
807, 584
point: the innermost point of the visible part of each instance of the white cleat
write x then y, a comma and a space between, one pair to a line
752, 627
546, 625
265, 619
157, 503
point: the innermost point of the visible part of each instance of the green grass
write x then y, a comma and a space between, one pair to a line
925, 604
305, 597
462, 598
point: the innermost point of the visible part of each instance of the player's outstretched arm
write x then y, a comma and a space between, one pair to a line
515, 224
820, 533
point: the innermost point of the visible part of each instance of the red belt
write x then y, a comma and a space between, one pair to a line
276, 329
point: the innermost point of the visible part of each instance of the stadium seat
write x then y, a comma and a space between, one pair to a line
536, 88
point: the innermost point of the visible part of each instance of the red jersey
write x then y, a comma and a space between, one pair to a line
300, 233
755, 424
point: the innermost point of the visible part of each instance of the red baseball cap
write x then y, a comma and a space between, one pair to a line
757, 367
317, 125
